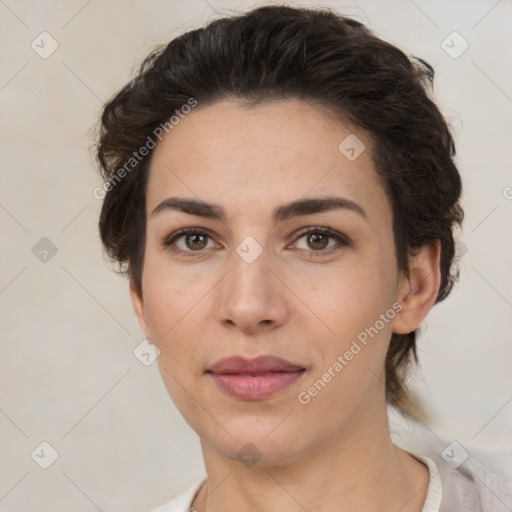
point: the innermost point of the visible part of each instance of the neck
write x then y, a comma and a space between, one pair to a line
358, 468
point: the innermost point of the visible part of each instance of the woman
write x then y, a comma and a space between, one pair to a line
281, 192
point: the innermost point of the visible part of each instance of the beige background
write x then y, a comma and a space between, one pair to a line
68, 375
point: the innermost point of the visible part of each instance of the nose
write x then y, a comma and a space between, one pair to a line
251, 296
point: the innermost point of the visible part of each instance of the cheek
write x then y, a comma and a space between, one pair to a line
166, 304
356, 304
350, 363
171, 307
169, 295
354, 297
178, 313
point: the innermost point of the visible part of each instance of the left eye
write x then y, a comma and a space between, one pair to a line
318, 240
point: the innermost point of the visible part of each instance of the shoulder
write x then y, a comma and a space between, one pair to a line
471, 480
181, 503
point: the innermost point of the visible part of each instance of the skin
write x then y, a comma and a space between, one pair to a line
334, 453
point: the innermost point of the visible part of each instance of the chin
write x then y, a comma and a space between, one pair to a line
258, 441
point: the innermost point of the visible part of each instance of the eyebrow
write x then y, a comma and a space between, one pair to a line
281, 213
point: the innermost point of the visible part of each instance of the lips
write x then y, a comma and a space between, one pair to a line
262, 364
254, 379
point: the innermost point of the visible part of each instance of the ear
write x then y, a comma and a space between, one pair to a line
138, 308
418, 291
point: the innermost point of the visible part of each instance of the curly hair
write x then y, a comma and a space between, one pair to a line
278, 52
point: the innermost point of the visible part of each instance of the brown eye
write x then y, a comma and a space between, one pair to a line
318, 241
196, 241
189, 242
321, 241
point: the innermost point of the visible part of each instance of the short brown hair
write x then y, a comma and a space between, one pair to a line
278, 52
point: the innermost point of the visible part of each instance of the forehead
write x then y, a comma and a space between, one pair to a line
262, 156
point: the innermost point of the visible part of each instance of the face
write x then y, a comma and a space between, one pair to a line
313, 285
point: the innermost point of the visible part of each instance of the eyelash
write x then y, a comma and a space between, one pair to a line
341, 239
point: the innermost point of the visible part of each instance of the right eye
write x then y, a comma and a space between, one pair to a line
192, 240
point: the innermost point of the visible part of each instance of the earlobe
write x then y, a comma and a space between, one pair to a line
138, 307
418, 291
